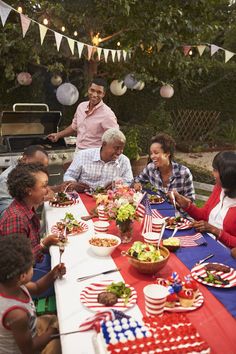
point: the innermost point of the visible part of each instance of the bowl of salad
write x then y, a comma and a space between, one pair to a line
147, 258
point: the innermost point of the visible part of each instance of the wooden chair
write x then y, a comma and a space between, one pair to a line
203, 190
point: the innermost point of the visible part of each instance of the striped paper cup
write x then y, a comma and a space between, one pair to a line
155, 298
151, 237
157, 224
101, 226
102, 215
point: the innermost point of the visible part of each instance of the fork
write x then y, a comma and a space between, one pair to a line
177, 213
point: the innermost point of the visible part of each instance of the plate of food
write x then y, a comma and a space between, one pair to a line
181, 223
107, 294
62, 200
155, 199
94, 191
72, 226
214, 274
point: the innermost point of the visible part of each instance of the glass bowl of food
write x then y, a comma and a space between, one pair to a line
104, 244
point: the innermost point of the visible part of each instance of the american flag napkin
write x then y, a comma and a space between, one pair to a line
192, 240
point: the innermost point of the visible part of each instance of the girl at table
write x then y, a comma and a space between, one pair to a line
163, 172
20, 330
218, 215
28, 185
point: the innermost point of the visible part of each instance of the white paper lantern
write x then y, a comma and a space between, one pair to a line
139, 86
118, 88
24, 78
56, 80
130, 81
166, 91
67, 94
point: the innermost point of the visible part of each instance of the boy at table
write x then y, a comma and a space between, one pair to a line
99, 167
20, 330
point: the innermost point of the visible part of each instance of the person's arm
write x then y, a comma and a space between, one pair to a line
74, 170
17, 322
54, 137
38, 287
110, 121
126, 173
144, 176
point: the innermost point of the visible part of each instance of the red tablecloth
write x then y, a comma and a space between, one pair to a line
214, 323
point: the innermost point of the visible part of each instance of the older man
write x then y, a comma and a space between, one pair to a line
92, 118
99, 167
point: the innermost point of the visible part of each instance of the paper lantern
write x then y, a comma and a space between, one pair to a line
118, 88
130, 81
24, 78
139, 86
166, 91
56, 80
67, 94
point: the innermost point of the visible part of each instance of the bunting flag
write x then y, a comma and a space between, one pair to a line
71, 43
4, 12
113, 54
186, 49
90, 51
80, 47
58, 38
25, 23
228, 55
214, 49
42, 30
124, 54
99, 51
118, 55
201, 49
106, 52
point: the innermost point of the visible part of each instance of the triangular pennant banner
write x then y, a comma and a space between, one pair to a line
99, 51
186, 49
42, 30
118, 55
4, 12
90, 51
201, 49
71, 43
124, 54
113, 54
228, 55
80, 47
159, 46
58, 38
106, 52
214, 49
25, 23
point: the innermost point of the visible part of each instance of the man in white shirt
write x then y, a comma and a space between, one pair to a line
99, 167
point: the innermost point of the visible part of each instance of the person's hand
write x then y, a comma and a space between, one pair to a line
58, 271
180, 200
50, 240
77, 186
54, 137
137, 187
204, 226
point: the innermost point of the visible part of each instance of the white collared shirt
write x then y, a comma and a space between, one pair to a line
218, 213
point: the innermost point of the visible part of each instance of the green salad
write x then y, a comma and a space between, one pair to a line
145, 252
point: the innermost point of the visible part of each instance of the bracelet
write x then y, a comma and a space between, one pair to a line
42, 244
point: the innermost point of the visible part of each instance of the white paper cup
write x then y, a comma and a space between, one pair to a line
151, 237
101, 226
102, 215
155, 298
157, 224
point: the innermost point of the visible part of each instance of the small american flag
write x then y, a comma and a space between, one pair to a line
156, 214
94, 322
192, 240
144, 210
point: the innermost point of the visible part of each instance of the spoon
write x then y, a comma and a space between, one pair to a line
161, 235
174, 232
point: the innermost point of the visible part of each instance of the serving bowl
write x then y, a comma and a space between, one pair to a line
97, 244
150, 267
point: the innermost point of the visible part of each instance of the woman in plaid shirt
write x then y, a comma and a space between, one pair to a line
163, 173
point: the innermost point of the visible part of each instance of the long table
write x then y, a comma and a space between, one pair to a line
215, 324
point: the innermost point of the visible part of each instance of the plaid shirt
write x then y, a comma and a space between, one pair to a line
19, 220
181, 179
88, 167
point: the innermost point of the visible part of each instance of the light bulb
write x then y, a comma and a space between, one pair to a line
19, 9
99, 39
190, 52
118, 44
45, 21
63, 28
75, 33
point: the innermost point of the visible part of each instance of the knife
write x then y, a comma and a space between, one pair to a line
204, 259
94, 275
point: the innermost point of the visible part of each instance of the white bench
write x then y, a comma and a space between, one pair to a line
202, 187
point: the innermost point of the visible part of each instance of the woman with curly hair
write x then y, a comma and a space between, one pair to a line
163, 172
218, 215
28, 185
20, 330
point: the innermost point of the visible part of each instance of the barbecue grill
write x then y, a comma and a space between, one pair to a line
21, 128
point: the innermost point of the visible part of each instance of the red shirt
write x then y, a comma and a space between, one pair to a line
90, 126
20, 220
228, 234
